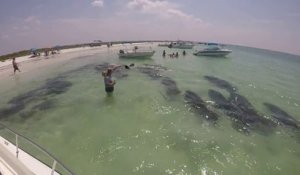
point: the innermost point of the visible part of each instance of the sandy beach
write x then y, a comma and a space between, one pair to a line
27, 64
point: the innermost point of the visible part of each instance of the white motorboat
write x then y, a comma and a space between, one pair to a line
164, 45
213, 51
135, 53
16, 160
181, 45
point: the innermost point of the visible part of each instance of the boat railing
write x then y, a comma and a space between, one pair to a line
23, 143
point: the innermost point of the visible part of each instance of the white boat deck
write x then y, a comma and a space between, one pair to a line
25, 164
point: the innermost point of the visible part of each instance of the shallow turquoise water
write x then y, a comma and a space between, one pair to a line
141, 130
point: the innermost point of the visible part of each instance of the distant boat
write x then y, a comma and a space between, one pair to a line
213, 50
164, 45
135, 53
181, 45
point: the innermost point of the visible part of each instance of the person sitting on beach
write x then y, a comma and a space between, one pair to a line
15, 65
108, 81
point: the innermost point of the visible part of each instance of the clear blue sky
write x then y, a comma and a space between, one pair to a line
271, 24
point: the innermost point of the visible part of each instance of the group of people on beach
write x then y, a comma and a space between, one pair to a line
47, 52
173, 55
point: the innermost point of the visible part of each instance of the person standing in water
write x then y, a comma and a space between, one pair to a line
108, 81
164, 53
15, 65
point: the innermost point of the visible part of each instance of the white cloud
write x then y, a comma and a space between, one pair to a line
163, 9
98, 3
32, 20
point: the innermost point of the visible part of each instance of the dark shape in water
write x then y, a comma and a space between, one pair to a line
244, 117
101, 67
240, 127
152, 71
246, 113
156, 66
241, 103
154, 74
221, 83
244, 106
44, 105
220, 101
23, 98
55, 86
120, 73
171, 86
282, 116
27, 114
199, 106
11, 110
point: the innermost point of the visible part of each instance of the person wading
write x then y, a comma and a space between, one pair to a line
15, 65
108, 81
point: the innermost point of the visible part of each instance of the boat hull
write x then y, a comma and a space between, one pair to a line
214, 54
163, 45
183, 47
136, 54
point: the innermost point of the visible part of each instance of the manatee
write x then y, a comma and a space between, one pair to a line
220, 101
199, 106
44, 105
240, 127
153, 71
247, 111
12, 109
282, 116
221, 83
25, 97
55, 86
244, 117
171, 86
241, 102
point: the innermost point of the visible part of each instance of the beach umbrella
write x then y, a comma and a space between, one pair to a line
33, 50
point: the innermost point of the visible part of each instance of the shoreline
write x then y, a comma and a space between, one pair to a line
6, 68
